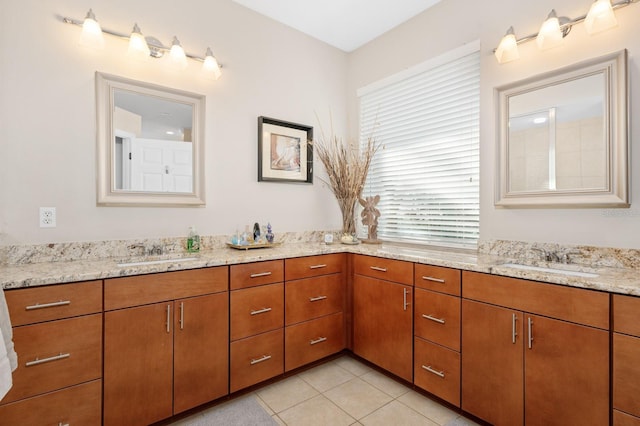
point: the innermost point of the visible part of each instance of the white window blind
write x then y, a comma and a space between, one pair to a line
427, 171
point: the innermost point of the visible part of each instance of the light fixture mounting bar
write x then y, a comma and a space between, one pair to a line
152, 41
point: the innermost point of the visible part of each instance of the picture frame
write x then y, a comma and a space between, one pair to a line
285, 153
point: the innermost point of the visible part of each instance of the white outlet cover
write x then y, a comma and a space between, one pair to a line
47, 217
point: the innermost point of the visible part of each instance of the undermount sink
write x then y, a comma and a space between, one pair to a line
156, 261
549, 270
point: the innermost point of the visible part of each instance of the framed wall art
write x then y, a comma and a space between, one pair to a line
285, 153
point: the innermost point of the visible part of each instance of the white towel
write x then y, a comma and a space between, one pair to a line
8, 357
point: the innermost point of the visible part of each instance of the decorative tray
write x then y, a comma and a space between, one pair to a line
252, 246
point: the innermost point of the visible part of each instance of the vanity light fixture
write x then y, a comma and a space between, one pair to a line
600, 17
143, 46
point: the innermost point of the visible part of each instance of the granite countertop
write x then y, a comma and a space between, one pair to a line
615, 280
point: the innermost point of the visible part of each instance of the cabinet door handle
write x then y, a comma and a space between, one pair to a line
434, 319
47, 305
260, 311
181, 315
322, 265
263, 358
315, 299
318, 340
432, 371
377, 268
530, 326
405, 303
43, 360
435, 280
514, 332
260, 274
168, 318
63, 424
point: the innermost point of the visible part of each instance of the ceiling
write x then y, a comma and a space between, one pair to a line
345, 24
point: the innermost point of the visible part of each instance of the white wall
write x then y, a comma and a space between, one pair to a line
453, 23
47, 116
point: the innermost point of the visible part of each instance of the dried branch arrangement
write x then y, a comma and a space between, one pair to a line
347, 169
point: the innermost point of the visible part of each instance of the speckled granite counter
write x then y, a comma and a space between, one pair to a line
615, 280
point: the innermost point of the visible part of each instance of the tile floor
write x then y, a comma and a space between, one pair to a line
347, 392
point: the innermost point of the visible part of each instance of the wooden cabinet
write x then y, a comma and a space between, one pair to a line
314, 300
534, 353
383, 313
57, 332
165, 357
437, 332
257, 321
626, 356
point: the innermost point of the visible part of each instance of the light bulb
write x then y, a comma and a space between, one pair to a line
138, 46
600, 17
91, 32
210, 65
178, 57
550, 34
508, 48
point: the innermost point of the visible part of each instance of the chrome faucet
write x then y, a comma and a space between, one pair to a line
548, 256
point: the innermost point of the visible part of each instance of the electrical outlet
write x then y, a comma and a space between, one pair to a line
47, 217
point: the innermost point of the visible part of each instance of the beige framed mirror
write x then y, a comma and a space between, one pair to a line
150, 149
563, 137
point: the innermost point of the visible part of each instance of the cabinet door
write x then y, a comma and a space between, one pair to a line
626, 373
201, 356
492, 360
382, 324
566, 373
138, 365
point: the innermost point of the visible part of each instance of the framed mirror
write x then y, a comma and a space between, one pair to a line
563, 137
150, 144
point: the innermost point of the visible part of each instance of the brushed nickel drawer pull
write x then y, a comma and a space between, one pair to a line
377, 268
315, 299
434, 319
435, 280
181, 315
431, 370
43, 360
48, 305
514, 332
168, 318
63, 424
322, 265
263, 358
260, 274
530, 321
318, 340
405, 302
260, 311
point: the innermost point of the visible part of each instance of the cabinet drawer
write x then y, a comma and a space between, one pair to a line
38, 304
437, 318
313, 298
626, 373
626, 314
77, 405
577, 305
312, 266
312, 340
56, 354
146, 289
256, 359
257, 273
623, 419
256, 310
437, 278
437, 370
385, 269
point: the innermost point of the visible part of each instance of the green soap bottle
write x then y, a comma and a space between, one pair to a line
193, 240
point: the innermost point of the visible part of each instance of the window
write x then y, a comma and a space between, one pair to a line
427, 170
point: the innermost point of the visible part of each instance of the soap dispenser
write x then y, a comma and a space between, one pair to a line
193, 240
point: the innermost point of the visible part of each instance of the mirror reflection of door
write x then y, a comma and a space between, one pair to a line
153, 150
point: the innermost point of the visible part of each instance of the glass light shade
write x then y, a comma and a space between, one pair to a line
177, 55
550, 34
210, 65
138, 46
508, 48
600, 17
91, 32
